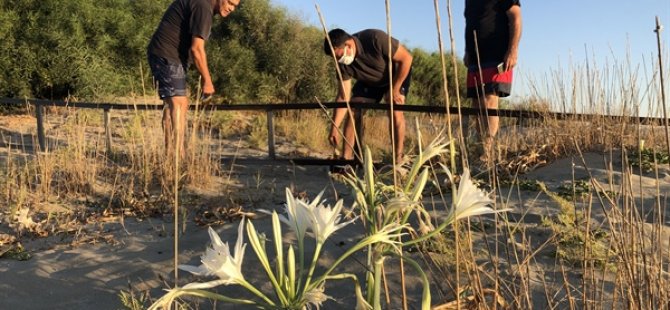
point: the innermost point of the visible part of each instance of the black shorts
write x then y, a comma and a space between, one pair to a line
377, 93
170, 76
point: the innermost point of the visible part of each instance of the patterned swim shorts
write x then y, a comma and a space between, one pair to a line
170, 77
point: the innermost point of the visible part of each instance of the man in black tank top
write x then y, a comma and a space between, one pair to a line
179, 40
364, 56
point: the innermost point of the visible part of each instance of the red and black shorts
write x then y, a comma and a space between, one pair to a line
489, 81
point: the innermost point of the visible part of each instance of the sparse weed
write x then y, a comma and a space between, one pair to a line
572, 237
527, 185
132, 300
258, 131
578, 190
647, 159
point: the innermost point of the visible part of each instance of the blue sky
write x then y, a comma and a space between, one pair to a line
557, 33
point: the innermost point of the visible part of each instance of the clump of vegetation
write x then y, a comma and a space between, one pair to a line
524, 184
648, 159
16, 252
574, 237
575, 190
132, 300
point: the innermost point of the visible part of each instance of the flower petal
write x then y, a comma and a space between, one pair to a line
199, 271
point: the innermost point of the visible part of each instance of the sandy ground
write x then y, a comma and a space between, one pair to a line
139, 255
125, 253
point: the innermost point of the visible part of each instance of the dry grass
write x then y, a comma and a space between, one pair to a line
597, 244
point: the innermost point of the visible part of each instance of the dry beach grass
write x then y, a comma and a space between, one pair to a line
588, 227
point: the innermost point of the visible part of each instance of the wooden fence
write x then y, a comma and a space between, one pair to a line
271, 108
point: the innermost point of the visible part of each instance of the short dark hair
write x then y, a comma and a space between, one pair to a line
337, 37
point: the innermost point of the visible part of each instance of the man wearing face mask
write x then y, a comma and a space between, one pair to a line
179, 41
364, 56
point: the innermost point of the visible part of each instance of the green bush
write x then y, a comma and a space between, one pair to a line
95, 49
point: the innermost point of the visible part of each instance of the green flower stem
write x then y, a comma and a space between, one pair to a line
301, 253
429, 235
425, 297
255, 291
342, 276
369, 275
263, 258
376, 296
276, 230
353, 278
363, 243
213, 296
290, 266
315, 259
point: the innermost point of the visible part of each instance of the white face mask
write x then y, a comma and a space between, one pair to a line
346, 59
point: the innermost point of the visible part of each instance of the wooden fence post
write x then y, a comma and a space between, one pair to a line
271, 134
108, 132
39, 114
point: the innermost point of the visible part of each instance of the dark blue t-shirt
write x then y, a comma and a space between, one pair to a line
182, 20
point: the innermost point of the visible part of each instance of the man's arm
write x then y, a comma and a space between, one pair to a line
343, 91
200, 60
514, 16
403, 59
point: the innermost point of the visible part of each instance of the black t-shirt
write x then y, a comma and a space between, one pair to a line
182, 20
489, 19
371, 63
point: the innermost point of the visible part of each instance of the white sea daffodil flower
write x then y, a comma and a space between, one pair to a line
298, 213
325, 221
470, 200
218, 261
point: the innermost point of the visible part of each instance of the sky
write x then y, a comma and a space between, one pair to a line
557, 34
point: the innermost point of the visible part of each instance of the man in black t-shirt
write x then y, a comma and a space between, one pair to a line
364, 56
496, 25
179, 41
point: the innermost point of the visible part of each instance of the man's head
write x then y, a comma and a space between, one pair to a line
343, 45
225, 7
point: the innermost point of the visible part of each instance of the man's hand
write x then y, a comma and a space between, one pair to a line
207, 88
510, 60
334, 137
398, 97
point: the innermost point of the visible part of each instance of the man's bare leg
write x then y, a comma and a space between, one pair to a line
488, 124
399, 132
350, 133
175, 121
493, 121
349, 136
